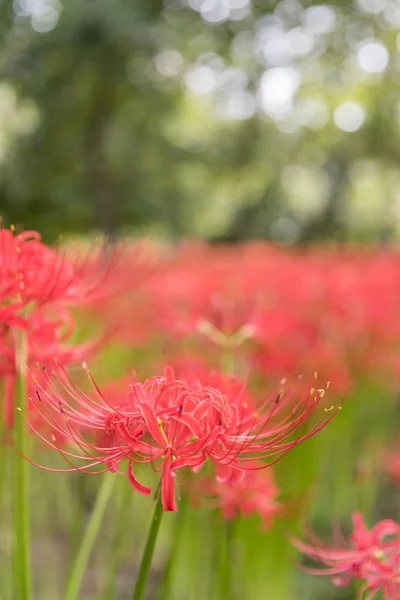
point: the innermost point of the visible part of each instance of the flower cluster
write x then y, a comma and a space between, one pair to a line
285, 312
37, 286
371, 557
253, 310
173, 423
255, 494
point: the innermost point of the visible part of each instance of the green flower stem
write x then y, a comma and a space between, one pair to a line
4, 454
225, 568
230, 531
92, 530
121, 532
74, 497
21, 539
148, 551
177, 533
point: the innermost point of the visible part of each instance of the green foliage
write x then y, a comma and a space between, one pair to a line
103, 130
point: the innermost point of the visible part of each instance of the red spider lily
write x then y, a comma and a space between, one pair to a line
198, 295
31, 272
372, 557
36, 285
47, 335
285, 312
256, 493
47, 332
174, 423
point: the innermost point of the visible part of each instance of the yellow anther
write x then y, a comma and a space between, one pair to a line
19, 409
12, 228
329, 409
315, 375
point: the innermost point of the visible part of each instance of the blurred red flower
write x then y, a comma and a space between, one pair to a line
37, 284
255, 494
328, 310
372, 557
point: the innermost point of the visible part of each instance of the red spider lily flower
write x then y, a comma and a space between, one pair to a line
31, 272
202, 293
37, 284
256, 494
330, 310
174, 423
48, 330
47, 341
383, 574
372, 557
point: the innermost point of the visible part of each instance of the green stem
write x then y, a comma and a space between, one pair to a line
224, 585
92, 529
173, 551
232, 566
4, 454
114, 560
76, 526
148, 551
21, 541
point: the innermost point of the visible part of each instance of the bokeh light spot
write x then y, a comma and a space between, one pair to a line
276, 91
373, 57
349, 116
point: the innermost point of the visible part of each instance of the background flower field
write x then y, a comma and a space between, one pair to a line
282, 321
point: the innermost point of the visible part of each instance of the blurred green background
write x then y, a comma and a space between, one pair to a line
227, 119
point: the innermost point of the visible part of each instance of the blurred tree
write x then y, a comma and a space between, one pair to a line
224, 118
